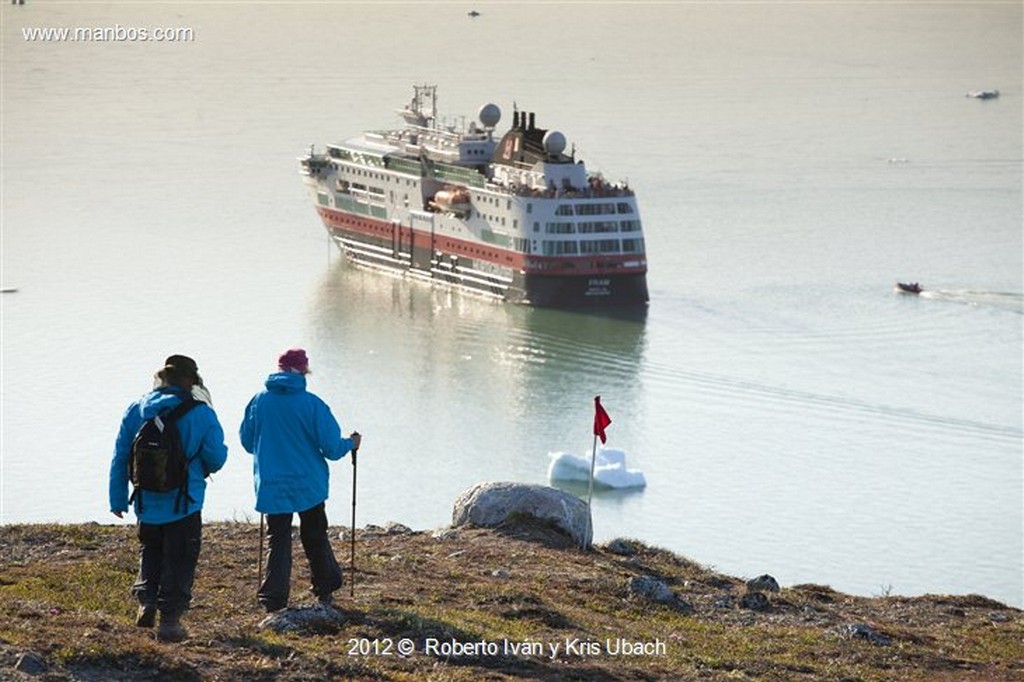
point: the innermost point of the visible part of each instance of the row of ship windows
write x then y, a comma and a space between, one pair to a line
494, 201
588, 227
569, 248
594, 209
379, 176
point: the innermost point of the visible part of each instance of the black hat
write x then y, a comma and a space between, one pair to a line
183, 364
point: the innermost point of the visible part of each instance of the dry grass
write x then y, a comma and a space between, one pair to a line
64, 598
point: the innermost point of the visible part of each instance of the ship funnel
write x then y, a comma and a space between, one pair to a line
530, 127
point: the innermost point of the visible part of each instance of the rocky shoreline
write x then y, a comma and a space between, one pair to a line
517, 601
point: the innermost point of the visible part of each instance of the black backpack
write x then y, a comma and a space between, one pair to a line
158, 462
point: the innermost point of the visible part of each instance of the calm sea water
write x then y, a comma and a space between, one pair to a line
791, 413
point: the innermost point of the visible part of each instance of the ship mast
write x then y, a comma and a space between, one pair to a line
417, 113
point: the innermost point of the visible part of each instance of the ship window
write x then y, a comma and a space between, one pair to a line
529, 207
629, 225
600, 246
633, 245
599, 226
536, 227
560, 248
594, 209
564, 209
624, 207
559, 228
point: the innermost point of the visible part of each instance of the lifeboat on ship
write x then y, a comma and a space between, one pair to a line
453, 200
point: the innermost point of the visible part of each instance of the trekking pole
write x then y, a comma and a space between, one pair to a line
259, 561
352, 553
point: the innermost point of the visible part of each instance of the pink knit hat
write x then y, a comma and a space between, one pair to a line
294, 359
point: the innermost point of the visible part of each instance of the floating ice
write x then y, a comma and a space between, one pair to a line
609, 469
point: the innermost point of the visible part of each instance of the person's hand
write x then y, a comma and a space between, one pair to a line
118, 514
357, 438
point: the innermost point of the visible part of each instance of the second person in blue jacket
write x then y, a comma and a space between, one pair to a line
292, 434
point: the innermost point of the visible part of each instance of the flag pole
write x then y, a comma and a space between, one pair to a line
590, 493
601, 421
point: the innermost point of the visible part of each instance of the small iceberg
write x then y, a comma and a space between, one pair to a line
609, 469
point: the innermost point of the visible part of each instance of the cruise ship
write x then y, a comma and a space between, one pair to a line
510, 216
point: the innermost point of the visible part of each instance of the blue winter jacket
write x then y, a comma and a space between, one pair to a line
202, 438
292, 434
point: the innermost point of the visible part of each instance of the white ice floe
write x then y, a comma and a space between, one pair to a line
609, 469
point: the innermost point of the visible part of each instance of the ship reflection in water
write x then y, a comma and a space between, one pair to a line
452, 390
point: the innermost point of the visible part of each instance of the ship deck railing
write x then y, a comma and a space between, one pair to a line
597, 191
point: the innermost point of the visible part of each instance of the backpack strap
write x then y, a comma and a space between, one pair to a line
174, 415
187, 403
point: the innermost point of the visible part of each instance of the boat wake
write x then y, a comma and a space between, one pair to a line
990, 299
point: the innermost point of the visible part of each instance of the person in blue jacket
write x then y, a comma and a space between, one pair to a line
292, 434
169, 525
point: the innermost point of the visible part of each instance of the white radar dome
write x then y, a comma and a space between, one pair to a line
489, 115
554, 142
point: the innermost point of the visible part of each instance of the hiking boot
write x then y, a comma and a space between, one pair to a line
145, 617
171, 629
272, 607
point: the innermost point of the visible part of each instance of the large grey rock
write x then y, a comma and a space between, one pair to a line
492, 504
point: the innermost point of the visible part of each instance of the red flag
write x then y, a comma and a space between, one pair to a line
601, 419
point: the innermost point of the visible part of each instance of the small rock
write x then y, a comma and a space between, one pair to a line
621, 546
500, 573
863, 631
999, 617
724, 602
317, 617
446, 533
651, 588
395, 528
763, 583
755, 601
30, 663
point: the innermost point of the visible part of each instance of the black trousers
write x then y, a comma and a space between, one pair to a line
167, 563
325, 573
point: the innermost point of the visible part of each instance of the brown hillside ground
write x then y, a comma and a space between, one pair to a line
474, 604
